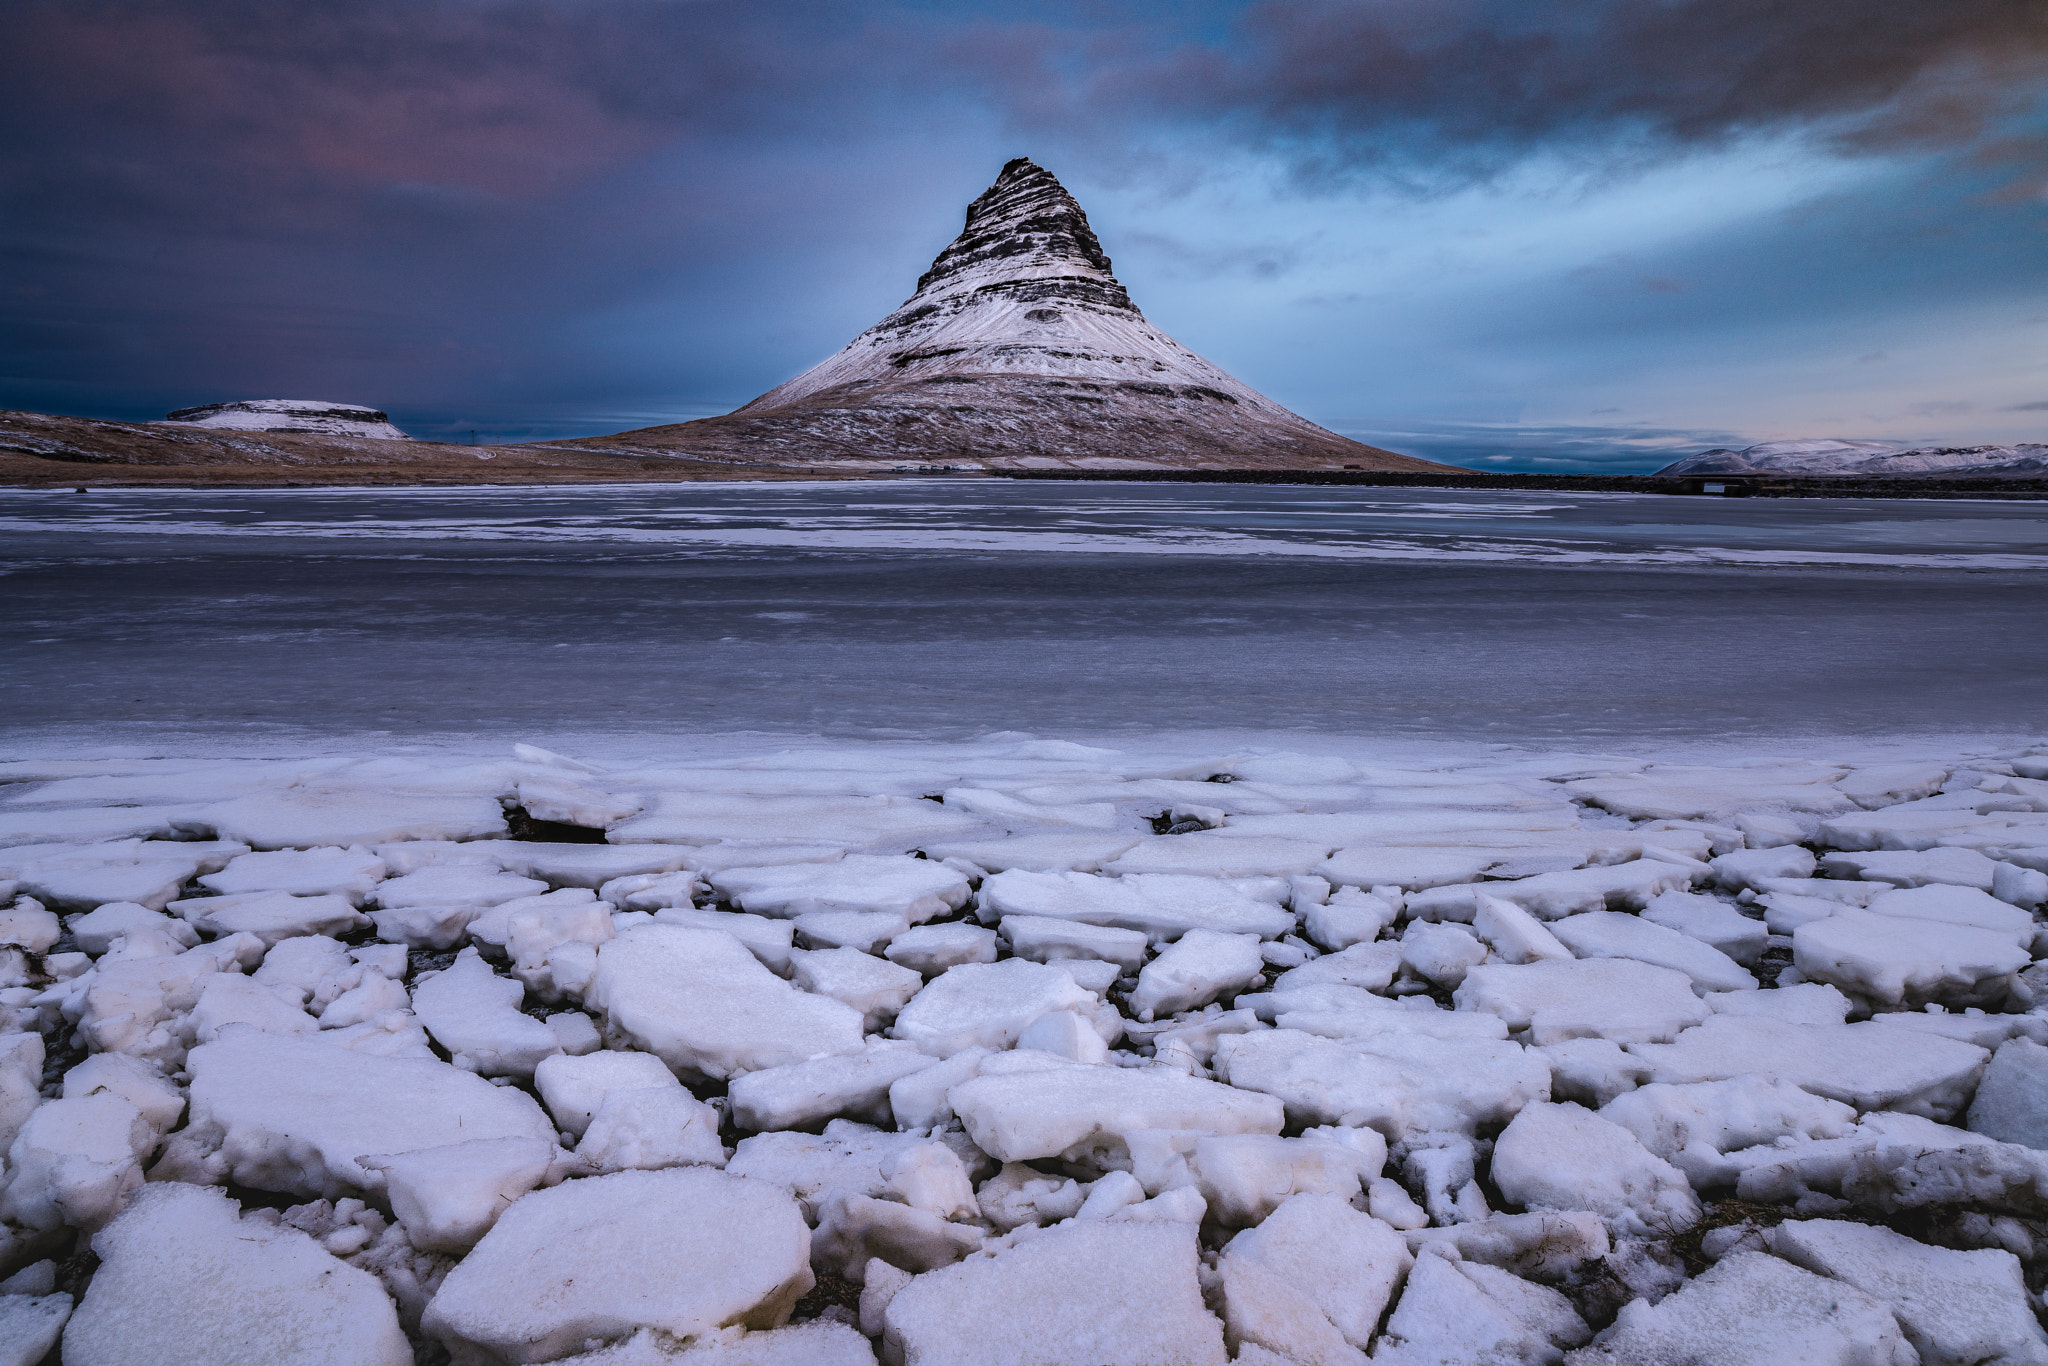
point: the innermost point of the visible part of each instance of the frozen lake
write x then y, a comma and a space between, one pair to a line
950, 607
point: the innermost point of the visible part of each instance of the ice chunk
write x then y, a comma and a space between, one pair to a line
1961, 906
1044, 940
1869, 1066
1551, 896
1915, 868
1395, 1082
707, 817
652, 891
1748, 867
75, 1161
270, 916
863, 931
1611, 934
1801, 1003
230, 998
855, 1230
930, 949
1513, 934
97, 930
474, 1013
1065, 1034
1565, 1157
449, 1197
1000, 806
920, 1100
180, 1270
1545, 1245
912, 888
1220, 853
771, 941
160, 1103
587, 865
1412, 868
847, 1157
1712, 922
800, 1094
1456, 1313
312, 817
1347, 918
1688, 791
553, 947
455, 884
1107, 1293
1898, 960
649, 1127
1194, 970
1441, 953
301, 872
1592, 1071
1046, 852
1071, 1109
30, 1325
705, 1005
27, 925
569, 802
2011, 1104
292, 1114
1957, 1308
1695, 1126
873, 986
1161, 905
988, 1004
1605, 998
1368, 967
1884, 1141
1245, 1177
1751, 1309
1343, 1264
814, 1342
684, 1251
574, 1087
132, 1006
80, 885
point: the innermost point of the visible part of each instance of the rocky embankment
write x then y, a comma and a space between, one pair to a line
1024, 1052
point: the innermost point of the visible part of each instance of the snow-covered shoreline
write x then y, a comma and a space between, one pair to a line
1193, 1047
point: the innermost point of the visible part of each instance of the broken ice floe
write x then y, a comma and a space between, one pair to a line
1585, 1061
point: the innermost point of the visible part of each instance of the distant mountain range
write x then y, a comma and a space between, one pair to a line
1867, 458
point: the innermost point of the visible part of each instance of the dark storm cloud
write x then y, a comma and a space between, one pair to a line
560, 212
1479, 82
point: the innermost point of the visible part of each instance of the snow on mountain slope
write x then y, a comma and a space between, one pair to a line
292, 415
1864, 458
1019, 347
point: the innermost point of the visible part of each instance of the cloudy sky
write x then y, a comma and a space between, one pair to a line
1517, 233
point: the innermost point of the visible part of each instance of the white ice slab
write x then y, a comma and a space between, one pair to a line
1068, 1108
1614, 934
180, 1270
703, 1003
1603, 998
311, 817
1566, 1157
293, 1114
1110, 1294
684, 1251
1162, 906
986, 1004
915, 889
1869, 1066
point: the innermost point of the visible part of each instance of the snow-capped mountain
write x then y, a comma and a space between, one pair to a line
292, 415
1019, 348
1864, 458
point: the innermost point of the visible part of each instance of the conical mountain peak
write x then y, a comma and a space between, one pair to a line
1019, 348
1024, 233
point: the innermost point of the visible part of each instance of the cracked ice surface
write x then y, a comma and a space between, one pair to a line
935, 1053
